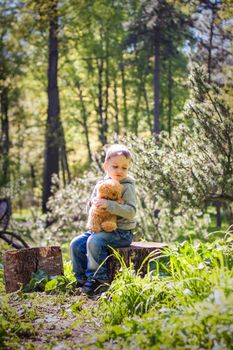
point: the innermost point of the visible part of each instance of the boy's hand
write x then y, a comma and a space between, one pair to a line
100, 203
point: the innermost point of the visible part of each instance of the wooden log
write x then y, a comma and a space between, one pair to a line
135, 253
19, 265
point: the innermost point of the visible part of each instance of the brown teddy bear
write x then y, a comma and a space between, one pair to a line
100, 219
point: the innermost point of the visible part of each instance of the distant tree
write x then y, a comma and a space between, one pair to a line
12, 59
213, 38
159, 24
180, 176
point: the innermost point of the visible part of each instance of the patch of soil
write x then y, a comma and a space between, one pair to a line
60, 322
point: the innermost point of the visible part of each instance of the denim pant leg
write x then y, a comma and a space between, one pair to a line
78, 251
98, 250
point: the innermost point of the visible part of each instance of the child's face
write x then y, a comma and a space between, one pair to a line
117, 167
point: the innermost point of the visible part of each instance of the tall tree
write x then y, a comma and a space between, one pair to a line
214, 48
11, 58
159, 23
53, 124
213, 38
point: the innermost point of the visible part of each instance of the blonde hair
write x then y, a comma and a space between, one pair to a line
117, 150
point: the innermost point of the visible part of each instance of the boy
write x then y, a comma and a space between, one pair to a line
90, 250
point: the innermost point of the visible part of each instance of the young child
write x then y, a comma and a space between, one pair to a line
90, 250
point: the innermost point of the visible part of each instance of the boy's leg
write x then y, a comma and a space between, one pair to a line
98, 250
78, 251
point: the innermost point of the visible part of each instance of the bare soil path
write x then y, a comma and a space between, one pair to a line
59, 322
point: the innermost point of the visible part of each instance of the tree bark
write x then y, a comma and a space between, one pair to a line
147, 108
170, 85
63, 155
210, 46
107, 81
20, 264
136, 119
5, 142
125, 111
102, 136
84, 118
116, 108
156, 80
218, 215
136, 253
51, 164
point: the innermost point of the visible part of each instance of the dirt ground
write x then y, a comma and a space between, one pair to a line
59, 322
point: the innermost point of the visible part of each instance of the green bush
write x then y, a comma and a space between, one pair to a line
206, 325
12, 324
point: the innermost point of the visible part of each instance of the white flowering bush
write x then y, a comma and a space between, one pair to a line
67, 208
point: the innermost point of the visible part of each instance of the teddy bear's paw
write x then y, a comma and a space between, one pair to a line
94, 228
121, 201
109, 226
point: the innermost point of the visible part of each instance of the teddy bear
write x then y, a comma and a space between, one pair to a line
100, 219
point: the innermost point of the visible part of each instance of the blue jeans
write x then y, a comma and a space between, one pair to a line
90, 249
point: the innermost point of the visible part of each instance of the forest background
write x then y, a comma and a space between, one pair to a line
156, 75
76, 76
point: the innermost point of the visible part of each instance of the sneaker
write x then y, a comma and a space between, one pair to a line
80, 283
93, 287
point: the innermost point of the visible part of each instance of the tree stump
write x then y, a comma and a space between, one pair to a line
135, 253
19, 265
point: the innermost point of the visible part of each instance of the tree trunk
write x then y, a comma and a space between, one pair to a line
147, 108
170, 85
107, 81
135, 119
20, 264
125, 111
116, 109
102, 136
5, 174
33, 176
135, 254
156, 80
218, 214
210, 47
84, 117
51, 165
63, 156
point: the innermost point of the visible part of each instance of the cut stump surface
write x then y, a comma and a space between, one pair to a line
19, 265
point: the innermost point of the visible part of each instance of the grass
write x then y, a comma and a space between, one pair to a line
186, 302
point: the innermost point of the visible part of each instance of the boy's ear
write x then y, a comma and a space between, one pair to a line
105, 166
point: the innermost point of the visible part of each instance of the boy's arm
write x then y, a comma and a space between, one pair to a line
126, 210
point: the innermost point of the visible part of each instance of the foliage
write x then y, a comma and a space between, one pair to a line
185, 273
177, 177
67, 209
207, 325
12, 326
41, 281
186, 302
